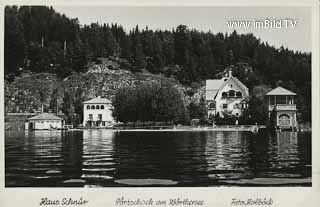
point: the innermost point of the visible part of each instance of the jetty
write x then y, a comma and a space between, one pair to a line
246, 128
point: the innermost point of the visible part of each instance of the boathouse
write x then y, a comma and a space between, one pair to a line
227, 96
44, 121
97, 112
282, 109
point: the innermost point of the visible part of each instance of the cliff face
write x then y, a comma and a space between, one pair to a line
28, 92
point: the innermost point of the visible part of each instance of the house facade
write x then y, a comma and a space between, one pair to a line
97, 112
226, 96
282, 109
44, 121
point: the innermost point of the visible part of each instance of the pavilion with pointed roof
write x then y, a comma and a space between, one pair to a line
282, 108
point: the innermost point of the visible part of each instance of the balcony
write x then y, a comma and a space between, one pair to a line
283, 107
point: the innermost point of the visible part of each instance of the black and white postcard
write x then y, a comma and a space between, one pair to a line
159, 104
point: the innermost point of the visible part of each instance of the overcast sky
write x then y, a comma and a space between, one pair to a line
205, 19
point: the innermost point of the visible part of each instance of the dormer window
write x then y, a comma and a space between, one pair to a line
212, 105
231, 93
239, 94
224, 95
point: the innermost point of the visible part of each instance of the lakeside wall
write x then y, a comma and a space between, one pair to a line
16, 121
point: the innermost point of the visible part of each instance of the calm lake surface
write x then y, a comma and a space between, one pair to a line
105, 158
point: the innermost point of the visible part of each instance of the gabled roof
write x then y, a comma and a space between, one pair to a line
236, 80
98, 100
45, 116
280, 91
213, 86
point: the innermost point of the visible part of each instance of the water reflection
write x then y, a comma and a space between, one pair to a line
71, 151
198, 158
169, 155
284, 155
227, 155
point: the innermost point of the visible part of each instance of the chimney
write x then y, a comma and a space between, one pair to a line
230, 72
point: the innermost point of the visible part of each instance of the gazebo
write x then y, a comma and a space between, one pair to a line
282, 108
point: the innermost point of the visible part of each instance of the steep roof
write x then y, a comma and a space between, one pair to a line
45, 116
214, 84
98, 100
237, 81
212, 88
280, 91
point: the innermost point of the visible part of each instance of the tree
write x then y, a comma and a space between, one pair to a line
258, 105
41, 40
53, 105
14, 42
150, 102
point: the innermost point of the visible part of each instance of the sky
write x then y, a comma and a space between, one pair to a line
296, 37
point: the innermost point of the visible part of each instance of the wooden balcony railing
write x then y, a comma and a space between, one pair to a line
281, 107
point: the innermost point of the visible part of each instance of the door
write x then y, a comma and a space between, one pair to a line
30, 127
284, 120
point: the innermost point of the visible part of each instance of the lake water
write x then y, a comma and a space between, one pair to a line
105, 158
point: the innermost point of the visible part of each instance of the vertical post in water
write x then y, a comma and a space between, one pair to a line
42, 41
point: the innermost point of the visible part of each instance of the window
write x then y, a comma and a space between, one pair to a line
224, 95
90, 117
102, 107
224, 106
92, 107
244, 104
212, 105
97, 106
284, 120
100, 117
88, 107
231, 93
103, 123
238, 94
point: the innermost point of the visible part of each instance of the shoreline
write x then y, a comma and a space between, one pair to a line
243, 128
251, 128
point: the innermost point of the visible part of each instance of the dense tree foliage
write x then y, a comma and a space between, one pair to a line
38, 39
149, 102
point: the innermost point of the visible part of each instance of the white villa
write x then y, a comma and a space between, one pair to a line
226, 96
97, 112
